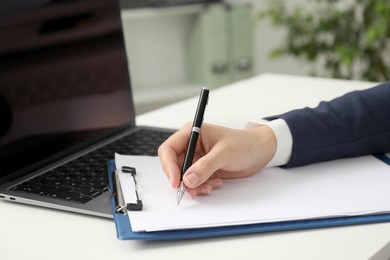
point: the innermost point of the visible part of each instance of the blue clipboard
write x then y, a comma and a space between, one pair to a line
124, 231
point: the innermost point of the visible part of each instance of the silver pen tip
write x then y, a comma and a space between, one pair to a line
180, 192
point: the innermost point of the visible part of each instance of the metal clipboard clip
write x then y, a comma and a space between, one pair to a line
120, 204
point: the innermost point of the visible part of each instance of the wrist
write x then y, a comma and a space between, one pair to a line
266, 143
284, 140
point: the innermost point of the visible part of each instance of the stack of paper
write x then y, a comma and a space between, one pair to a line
346, 187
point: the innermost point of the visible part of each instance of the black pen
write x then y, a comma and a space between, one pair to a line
195, 131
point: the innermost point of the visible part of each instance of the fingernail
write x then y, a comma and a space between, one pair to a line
192, 179
188, 194
204, 191
170, 181
217, 184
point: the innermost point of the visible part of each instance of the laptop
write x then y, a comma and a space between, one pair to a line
66, 103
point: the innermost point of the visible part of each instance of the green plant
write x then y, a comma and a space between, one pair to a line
350, 38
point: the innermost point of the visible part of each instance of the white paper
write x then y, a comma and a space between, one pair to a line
338, 188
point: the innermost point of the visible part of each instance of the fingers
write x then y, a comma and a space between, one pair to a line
171, 154
203, 169
206, 188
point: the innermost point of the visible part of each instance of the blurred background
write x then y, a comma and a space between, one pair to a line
174, 47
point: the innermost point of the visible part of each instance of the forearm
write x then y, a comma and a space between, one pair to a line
355, 124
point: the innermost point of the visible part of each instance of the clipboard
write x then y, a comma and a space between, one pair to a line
124, 231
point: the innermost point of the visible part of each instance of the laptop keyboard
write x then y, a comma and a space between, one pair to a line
85, 178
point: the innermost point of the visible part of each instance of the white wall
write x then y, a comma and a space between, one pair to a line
156, 48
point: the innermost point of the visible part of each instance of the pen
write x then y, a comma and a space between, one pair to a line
195, 131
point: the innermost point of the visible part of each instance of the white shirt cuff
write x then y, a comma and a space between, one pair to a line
283, 140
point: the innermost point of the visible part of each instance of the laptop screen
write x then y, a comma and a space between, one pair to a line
64, 79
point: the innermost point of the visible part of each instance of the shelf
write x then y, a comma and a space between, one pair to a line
150, 12
166, 93
152, 98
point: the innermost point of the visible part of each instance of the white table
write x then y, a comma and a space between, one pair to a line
28, 232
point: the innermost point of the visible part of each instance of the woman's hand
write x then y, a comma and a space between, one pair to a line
221, 153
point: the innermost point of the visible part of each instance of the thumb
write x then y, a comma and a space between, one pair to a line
201, 170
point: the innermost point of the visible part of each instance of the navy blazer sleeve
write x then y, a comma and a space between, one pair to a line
355, 124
